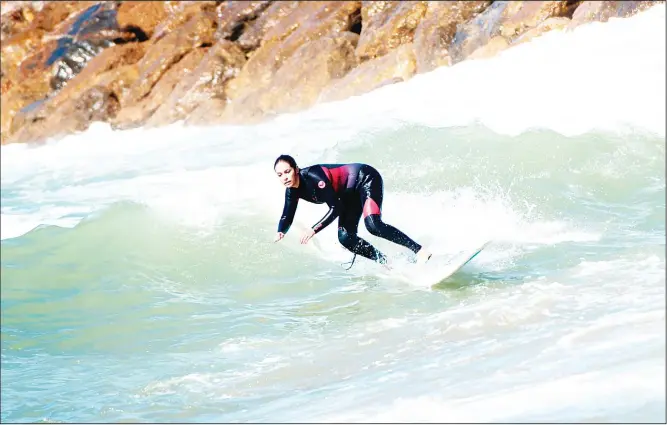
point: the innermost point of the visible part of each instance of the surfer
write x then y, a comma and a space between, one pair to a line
351, 191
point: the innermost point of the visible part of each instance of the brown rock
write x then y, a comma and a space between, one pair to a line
387, 25
53, 13
136, 113
477, 31
17, 16
398, 65
233, 17
490, 49
75, 41
207, 112
254, 31
10, 103
437, 29
22, 95
69, 47
499, 18
546, 26
521, 16
95, 100
16, 49
167, 51
180, 12
208, 80
21, 16
95, 104
94, 74
119, 80
602, 11
143, 15
310, 21
110, 59
26, 22
295, 87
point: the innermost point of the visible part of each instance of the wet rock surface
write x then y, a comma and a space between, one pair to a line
67, 64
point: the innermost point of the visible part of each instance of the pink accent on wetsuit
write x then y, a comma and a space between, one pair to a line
338, 176
370, 207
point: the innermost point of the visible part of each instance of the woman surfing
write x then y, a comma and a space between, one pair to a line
351, 191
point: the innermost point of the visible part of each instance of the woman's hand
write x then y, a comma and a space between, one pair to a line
309, 233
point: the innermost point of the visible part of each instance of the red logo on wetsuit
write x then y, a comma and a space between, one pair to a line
320, 184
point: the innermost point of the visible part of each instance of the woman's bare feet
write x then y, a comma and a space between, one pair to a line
423, 256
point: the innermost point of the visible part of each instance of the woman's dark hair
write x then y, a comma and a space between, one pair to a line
288, 159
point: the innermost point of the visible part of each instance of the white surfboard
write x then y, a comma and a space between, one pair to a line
437, 268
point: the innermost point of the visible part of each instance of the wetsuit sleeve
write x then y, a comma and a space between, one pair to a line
291, 202
328, 195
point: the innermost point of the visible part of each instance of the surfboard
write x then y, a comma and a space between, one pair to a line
437, 269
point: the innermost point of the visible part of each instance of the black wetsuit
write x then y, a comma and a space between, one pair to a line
350, 191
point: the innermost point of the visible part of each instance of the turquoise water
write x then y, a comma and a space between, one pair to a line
140, 282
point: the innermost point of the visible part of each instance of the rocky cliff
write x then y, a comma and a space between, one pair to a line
135, 63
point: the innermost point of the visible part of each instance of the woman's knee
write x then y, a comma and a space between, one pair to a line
348, 240
374, 224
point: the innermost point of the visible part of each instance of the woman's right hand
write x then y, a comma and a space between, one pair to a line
279, 236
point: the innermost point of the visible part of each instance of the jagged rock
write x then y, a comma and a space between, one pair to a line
112, 58
99, 86
24, 27
97, 72
137, 113
95, 104
437, 28
310, 21
144, 16
254, 32
490, 49
180, 12
602, 11
233, 17
15, 50
387, 25
295, 87
521, 16
42, 15
163, 54
207, 112
477, 31
550, 24
208, 80
398, 65
504, 18
82, 38
17, 16
71, 45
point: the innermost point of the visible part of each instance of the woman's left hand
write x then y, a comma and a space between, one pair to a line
309, 233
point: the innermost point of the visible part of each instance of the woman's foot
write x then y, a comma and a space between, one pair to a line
423, 256
384, 261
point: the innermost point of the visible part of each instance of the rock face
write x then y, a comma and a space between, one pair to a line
66, 64
602, 11
59, 42
507, 19
397, 66
436, 31
387, 25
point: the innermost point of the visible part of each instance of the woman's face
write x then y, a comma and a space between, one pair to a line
286, 174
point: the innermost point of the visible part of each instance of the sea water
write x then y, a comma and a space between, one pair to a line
141, 283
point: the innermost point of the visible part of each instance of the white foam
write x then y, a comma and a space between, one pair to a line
575, 397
